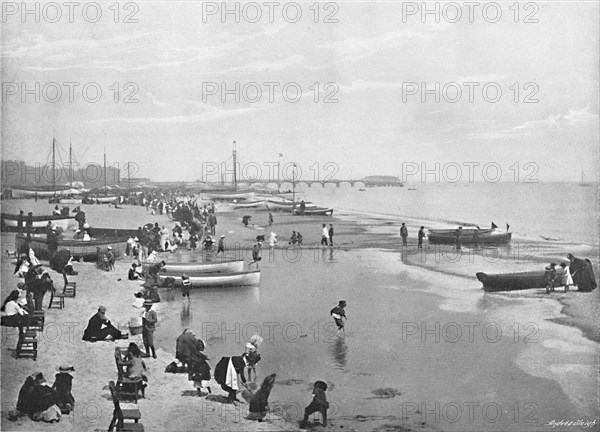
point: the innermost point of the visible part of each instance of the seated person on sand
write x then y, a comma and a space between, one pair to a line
133, 274
136, 367
100, 328
63, 384
13, 314
37, 400
319, 404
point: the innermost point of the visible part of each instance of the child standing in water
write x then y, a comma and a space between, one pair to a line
339, 314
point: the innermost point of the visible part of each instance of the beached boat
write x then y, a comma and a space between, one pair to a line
209, 280
9, 221
486, 237
316, 211
102, 199
286, 205
512, 281
80, 249
40, 191
451, 231
176, 268
248, 204
70, 200
229, 196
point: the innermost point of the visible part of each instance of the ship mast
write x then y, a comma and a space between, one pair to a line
234, 168
105, 190
53, 165
71, 162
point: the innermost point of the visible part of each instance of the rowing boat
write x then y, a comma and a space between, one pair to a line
9, 221
41, 191
248, 204
512, 281
286, 205
228, 196
468, 231
316, 211
176, 268
208, 280
80, 249
467, 238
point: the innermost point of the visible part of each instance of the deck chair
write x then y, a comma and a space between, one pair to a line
120, 414
126, 388
57, 300
70, 288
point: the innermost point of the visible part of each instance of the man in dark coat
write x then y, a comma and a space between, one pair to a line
20, 219
38, 288
94, 330
80, 218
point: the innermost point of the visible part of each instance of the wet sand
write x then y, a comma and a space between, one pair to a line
371, 392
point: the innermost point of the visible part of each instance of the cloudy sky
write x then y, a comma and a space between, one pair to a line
361, 69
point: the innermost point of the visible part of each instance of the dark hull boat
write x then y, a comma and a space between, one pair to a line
466, 238
512, 281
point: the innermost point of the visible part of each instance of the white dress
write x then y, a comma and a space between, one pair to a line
567, 279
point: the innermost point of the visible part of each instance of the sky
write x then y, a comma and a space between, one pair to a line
361, 81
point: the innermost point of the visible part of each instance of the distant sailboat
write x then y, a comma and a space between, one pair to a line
583, 182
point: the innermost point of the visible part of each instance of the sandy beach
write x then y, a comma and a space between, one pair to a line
171, 403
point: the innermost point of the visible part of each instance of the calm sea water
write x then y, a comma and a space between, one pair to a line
564, 211
387, 299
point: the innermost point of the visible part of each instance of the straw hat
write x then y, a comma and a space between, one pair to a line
148, 302
65, 368
109, 248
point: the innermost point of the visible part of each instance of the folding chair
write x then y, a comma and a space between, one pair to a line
57, 300
70, 288
126, 414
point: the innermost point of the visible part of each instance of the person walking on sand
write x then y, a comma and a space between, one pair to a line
149, 320
256, 253
324, 236
404, 234
221, 247
421, 236
339, 314
187, 286
270, 218
330, 234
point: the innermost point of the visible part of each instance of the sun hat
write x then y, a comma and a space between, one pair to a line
148, 302
110, 247
65, 368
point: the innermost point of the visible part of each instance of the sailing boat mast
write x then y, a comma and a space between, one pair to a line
53, 165
234, 168
71, 162
105, 191
294, 185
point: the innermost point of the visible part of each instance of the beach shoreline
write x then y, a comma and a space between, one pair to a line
95, 287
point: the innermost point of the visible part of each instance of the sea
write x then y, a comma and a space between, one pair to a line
421, 347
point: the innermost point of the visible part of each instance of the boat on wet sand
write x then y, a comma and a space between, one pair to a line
467, 237
208, 280
177, 268
512, 281
9, 221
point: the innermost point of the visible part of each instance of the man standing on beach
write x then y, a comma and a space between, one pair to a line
325, 236
330, 234
404, 234
421, 236
457, 235
149, 320
20, 223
